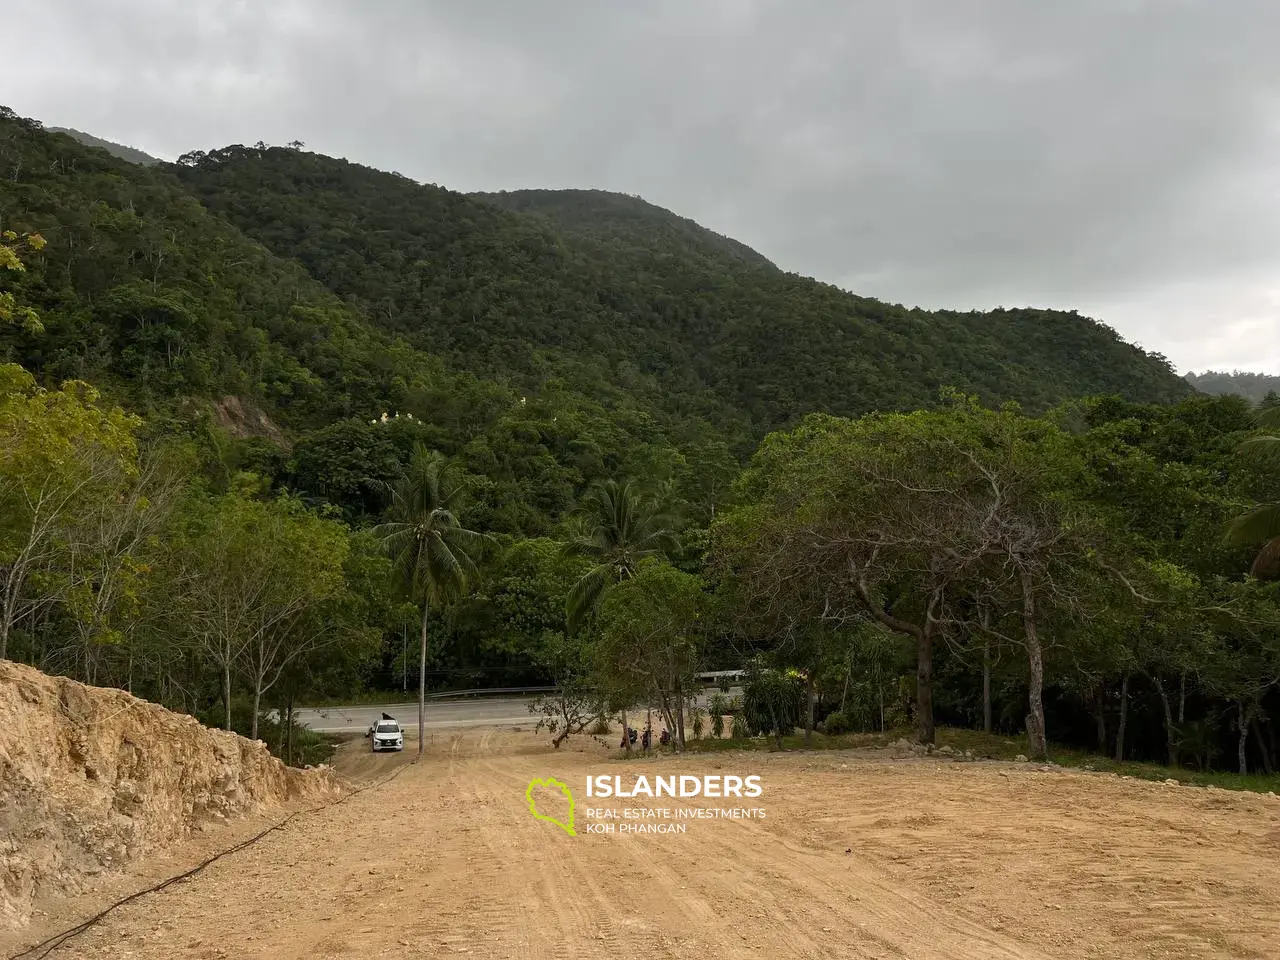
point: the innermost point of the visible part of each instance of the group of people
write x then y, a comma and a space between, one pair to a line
647, 739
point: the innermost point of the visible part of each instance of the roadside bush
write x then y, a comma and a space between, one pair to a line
771, 702
836, 723
697, 721
717, 706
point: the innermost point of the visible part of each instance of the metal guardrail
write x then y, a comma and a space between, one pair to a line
444, 695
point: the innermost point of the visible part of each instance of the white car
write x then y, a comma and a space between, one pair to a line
386, 735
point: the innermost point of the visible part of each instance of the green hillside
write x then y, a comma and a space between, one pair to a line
147, 294
170, 309
998, 354
587, 281
545, 339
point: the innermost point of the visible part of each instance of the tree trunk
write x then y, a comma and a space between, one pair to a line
1100, 715
1124, 717
1182, 700
845, 695
422, 680
1035, 661
986, 687
226, 690
289, 732
808, 723
1170, 728
626, 738
668, 716
280, 731
1271, 743
1242, 744
1262, 747
679, 716
924, 686
257, 705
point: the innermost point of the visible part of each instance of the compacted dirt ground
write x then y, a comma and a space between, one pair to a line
859, 855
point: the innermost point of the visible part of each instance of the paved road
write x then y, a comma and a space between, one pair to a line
490, 711
471, 712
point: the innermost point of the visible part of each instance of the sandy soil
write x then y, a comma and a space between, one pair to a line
858, 856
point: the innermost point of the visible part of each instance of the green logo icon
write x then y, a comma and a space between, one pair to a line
550, 783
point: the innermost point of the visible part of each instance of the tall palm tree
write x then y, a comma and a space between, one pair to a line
619, 524
433, 553
1262, 523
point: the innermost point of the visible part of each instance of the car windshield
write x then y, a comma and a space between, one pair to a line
388, 728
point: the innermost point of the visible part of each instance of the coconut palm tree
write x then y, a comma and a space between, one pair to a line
1262, 523
433, 553
619, 524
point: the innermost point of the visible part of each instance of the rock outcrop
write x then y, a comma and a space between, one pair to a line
91, 778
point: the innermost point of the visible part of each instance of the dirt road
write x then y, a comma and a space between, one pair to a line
857, 856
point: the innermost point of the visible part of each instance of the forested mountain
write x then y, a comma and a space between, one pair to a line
148, 295
144, 292
497, 291
115, 149
1251, 386
317, 361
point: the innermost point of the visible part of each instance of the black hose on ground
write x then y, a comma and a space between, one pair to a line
45, 947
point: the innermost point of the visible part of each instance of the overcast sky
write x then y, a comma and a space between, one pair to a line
1120, 157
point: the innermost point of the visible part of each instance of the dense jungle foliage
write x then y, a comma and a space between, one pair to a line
234, 390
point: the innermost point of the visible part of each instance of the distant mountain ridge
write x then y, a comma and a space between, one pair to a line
618, 220
1251, 386
119, 150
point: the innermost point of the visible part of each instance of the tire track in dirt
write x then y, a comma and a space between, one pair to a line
946, 861
800, 914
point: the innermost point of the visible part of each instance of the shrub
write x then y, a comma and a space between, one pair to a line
836, 723
771, 702
717, 706
697, 720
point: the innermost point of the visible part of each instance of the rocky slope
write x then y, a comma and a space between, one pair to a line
91, 777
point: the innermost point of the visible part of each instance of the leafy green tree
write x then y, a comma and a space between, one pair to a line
1262, 523
526, 593
1247, 661
60, 453
578, 703
11, 311
434, 555
620, 525
651, 637
254, 574
110, 554
853, 515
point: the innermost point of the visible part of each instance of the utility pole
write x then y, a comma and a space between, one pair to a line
404, 658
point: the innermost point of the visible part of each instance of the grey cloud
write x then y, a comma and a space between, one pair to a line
1112, 155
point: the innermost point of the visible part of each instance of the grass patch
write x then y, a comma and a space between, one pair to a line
845, 741
992, 746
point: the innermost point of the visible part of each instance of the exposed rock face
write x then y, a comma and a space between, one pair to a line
92, 777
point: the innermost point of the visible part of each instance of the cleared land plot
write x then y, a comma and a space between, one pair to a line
858, 856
